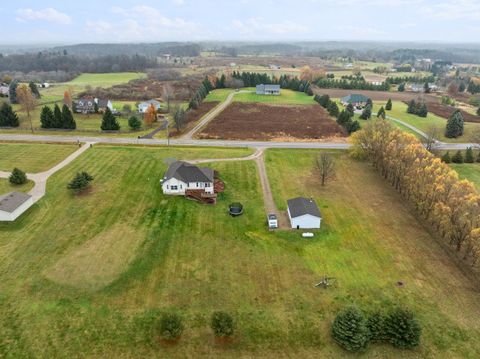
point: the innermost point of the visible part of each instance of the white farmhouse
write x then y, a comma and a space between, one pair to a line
143, 107
304, 213
13, 204
182, 177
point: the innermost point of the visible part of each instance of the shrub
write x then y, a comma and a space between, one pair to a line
446, 157
366, 113
332, 109
80, 182
222, 324
381, 113
454, 125
323, 100
17, 177
134, 123
170, 326
352, 126
350, 331
344, 117
458, 157
388, 106
469, 156
350, 109
402, 329
376, 327
109, 122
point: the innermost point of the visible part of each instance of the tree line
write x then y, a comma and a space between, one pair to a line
344, 118
58, 119
449, 205
397, 80
252, 79
350, 84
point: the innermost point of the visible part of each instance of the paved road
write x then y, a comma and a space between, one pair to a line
40, 179
211, 115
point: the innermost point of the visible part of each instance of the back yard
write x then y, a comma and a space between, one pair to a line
89, 274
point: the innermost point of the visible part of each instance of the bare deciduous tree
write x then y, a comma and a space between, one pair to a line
432, 135
326, 167
27, 101
168, 94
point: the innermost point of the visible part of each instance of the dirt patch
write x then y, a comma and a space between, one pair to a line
445, 112
194, 115
247, 121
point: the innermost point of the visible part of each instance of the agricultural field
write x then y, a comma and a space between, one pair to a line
261, 121
33, 158
286, 97
194, 115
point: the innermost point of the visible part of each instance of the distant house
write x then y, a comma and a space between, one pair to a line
268, 90
421, 87
13, 205
4, 90
143, 107
357, 100
87, 105
304, 213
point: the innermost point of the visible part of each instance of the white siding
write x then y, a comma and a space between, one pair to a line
179, 187
306, 221
10, 217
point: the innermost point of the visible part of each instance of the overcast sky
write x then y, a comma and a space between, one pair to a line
60, 21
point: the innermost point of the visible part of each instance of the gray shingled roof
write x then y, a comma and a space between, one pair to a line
151, 102
11, 201
187, 172
300, 206
264, 88
355, 98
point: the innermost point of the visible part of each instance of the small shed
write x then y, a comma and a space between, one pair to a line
304, 213
13, 205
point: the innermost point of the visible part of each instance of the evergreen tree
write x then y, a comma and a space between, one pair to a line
46, 117
366, 113
109, 122
134, 123
478, 111
422, 110
458, 157
469, 155
17, 177
34, 89
68, 121
446, 157
344, 117
369, 102
57, 117
332, 109
222, 324
401, 87
350, 331
381, 113
12, 91
8, 118
170, 326
80, 182
350, 109
426, 87
461, 87
388, 106
323, 100
352, 126
412, 107
478, 157
402, 329
376, 327
454, 125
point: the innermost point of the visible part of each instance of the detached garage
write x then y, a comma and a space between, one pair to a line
304, 213
13, 204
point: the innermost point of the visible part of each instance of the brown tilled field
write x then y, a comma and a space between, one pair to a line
445, 112
247, 121
195, 115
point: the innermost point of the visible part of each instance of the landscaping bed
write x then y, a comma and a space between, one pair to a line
247, 121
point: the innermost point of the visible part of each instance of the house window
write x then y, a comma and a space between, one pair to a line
173, 188
197, 185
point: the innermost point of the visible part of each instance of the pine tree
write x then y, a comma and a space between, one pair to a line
332, 109
8, 118
134, 123
80, 182
352, 126
388, 106
369, 102
366, 113
469, 155
67, 119
402, 329
57, 117
458, 157
412, 107
401, 87
17, 177
350, 109
350, 331
344, 117
381, 113
376, 327
422, 110
34, 89
446, 157
109, 122
12, 91
454, 125
46, 117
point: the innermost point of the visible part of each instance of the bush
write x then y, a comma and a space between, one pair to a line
80, 182
222, 324
388, 106
446, 158
402, 329
458, 157
381, 113
376, 327
469, 156
17, 177
109, 122
134, 123
323, 100
366, 113
332, 109
350, 331
170, 326
454, 125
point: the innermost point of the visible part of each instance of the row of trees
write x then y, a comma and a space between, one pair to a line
8, 117
451, 206
458, 157
397, 80
418, 108
473, 87
251, 79
351, 85
344, 118
57, 118
354, 331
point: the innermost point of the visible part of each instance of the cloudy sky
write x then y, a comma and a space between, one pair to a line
60, 21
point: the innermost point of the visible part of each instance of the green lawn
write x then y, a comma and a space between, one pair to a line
469, 171
287, 97
33, 158
7, 187
82, 276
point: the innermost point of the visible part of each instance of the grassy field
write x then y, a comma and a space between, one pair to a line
33, 158
84, 276
286, 97
469, 171
6, 187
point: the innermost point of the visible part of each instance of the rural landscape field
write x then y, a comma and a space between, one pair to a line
290, 186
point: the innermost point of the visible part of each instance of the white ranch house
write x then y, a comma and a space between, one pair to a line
13, 205
304, 213
143, 107
182, 176
268, 90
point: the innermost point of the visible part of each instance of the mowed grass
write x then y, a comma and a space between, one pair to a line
107, 79
370, 240
33, 158
469, 171
7, 187
286, 97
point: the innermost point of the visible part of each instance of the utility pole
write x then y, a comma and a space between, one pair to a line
168, 135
